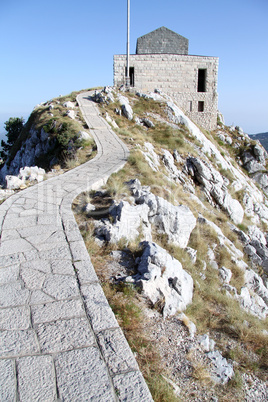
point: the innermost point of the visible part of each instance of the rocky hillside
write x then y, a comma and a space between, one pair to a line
181, 235
55, 137
178, 238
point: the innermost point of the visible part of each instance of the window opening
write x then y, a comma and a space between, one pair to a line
201, 106
190, 106
202, 77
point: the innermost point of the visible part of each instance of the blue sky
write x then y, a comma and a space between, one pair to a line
55, 47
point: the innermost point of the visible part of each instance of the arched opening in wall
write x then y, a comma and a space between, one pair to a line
202, 78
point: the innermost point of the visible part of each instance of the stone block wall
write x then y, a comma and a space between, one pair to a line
177, 76
163, 41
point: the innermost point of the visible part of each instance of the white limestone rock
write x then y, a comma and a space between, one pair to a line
214, 188
177, 222
255, 234
69, 105
125, 106
225, 274
13, 182
221, 370
71, 114
84, 136
162, 278
33, 173
127, 222
151, 156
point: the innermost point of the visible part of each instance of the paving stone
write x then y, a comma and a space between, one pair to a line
131, 387
9, 274
13, 294
97, 307
7, 260
32, 278
15, 343
38, 265
39, 297
64, 335
62, 267
57, 311
79, 250
116, 351
36, 380
58, 252
61, 286
14, 246
82, 376
15, 318
85, 271
7, 380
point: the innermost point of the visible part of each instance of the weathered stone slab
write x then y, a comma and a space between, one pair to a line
97, 307
57, 311
64, 335
9, 274
13, 294
7, 380
116, 351
32, 278
7, 260
36, 380
79, 251
62, 267
82, 376
85, 271
15, 318
61, 286
39, 297
39, 265
14, 246
131, 387
14, 343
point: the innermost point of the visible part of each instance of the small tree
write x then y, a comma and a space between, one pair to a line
13, 128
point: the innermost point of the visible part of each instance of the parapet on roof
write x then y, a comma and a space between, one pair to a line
162, 41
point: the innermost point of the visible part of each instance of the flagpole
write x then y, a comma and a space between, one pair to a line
128, 24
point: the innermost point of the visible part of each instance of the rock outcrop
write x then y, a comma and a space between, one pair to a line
163, 280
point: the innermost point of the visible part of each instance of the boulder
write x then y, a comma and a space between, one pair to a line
126, 108
221, 370
33, 173
260, 153
163, 279
127, 221
255, 234
225, 274
71, 114
69, 105
84, 136
13, 182
253, 166
148, 123
214, 188
151, 156
176, 222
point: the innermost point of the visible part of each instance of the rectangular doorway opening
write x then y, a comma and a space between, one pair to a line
131, 76
202, 78
201, 106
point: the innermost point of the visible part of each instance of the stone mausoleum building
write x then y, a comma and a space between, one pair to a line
162, 62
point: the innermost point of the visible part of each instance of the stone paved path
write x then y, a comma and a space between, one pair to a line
59, 339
